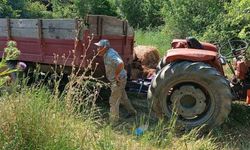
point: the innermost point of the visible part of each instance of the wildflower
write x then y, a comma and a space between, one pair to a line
21, 66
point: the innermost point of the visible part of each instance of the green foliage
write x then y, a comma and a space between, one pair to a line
82, 7
134, 12
142, 13
186, 18
7, 10
209, 20
33, 118
153, 13
79, 8
60, 8
102, 7
22, 9
63, 9
233, 22
36, 10
10, 53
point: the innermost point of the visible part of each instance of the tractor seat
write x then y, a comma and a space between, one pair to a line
193, 43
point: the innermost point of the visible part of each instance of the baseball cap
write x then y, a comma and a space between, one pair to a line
103, 43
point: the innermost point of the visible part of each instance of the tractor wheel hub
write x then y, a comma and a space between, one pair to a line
188, 101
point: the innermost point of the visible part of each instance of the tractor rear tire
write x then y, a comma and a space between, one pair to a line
195, 91
161, 64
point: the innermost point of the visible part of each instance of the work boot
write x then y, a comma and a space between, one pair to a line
113, 119
114, 122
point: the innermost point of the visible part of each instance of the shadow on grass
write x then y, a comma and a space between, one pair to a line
235, 132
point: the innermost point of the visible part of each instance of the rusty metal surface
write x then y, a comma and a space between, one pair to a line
32, 50
182, 43
190, 54
198, 55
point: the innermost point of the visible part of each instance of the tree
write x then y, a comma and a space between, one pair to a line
153, 13
57, 8
142, 13
22, 9
79, 8
8, 8
63, 8
233, 22
102, 7
134, 12
185, 18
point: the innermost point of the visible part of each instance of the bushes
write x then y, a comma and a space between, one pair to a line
11, 52
55, 8
142, 13
209, 20
186, 18
233, 22
22, 9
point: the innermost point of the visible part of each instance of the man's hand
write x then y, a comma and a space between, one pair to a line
117, 78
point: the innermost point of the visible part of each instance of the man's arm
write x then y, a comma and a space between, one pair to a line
119, 68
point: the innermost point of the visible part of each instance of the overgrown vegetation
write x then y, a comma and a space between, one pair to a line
36, 117
11, 52
209, 20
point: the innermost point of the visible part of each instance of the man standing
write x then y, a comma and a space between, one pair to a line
117, 76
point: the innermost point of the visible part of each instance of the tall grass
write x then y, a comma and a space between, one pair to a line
34, 119
153, 37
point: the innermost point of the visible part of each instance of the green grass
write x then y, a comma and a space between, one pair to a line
154, 37
33, 118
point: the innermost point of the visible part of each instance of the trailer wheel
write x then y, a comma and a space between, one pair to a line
195, 91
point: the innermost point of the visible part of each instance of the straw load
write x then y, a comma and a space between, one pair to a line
145, 60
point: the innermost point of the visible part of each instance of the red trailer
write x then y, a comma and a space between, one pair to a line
39, 40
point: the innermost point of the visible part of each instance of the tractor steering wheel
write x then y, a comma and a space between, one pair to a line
237, 47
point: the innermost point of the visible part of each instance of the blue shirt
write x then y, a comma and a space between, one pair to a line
111, 61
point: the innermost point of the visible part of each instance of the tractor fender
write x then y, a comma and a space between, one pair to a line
194, 55
190, 55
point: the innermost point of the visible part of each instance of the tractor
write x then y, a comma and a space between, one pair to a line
190, 82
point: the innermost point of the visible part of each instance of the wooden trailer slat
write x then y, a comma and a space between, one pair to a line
3, 31
59, 24
27, 33
24, 23
3, 23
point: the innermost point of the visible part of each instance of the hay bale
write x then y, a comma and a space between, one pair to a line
145, 60
147, 55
